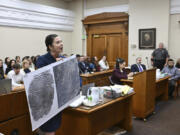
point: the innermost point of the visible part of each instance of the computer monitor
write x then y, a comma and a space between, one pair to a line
5, 86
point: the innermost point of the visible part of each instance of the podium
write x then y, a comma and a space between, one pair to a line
14, 114
144, 84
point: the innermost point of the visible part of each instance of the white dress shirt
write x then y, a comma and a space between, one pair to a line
16, 79
103, 65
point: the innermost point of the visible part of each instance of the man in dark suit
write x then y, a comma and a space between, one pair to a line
83, 66
138, 67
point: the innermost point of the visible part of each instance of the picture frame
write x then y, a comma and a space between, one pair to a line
147, 38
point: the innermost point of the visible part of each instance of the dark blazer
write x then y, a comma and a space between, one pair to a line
117, 76
83, 67
135, 68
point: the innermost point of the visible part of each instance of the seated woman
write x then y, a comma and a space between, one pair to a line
178, 64
9, 67
120, 73
6, 63
103, 64
1, 70
26, 67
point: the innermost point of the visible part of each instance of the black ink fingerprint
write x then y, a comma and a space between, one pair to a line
67, 81
41, 95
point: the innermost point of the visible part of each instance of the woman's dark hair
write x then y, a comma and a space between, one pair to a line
49, 40
119, 61
9, 65
6, 62
17, 57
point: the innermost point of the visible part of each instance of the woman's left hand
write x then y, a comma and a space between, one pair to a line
59, 59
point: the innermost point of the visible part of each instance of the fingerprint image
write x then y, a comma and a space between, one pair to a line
67, 81
41, 94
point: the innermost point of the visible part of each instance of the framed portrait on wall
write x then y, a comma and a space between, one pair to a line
147, 38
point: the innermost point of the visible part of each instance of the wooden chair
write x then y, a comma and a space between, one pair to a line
110, 80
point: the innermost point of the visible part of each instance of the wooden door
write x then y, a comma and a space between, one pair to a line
99, 46
107, 34
114, 48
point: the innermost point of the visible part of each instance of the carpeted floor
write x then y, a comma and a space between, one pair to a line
166, 121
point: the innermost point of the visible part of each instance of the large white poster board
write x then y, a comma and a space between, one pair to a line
51, 89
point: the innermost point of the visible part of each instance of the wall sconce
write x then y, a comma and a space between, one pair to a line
133, 46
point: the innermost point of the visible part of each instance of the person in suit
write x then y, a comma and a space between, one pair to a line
138, 67
83, 67
120, 72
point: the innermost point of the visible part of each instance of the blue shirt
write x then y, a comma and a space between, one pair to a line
46, 59
173, 72
54, 123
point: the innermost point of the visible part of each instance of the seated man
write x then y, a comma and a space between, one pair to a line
83, 66
138, 67
16, 75
172, 71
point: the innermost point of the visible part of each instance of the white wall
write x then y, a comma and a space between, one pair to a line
174, 36
53, 3
77, 46
147, 14
24, 41
28, 42
91, 4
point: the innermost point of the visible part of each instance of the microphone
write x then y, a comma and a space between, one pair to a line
147, 62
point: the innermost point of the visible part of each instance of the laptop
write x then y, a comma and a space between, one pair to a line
85, 88
5, 86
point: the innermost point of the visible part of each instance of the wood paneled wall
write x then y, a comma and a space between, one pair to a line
107, 34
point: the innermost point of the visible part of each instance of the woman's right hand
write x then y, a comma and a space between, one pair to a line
130, 74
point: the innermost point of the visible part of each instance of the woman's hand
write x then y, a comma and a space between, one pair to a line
130, 74
59, 59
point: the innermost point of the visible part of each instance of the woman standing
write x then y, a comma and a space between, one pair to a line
54, 49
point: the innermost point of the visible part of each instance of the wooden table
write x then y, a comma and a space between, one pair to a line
161, 87
99, 78
147, 89
81, 121
14, 114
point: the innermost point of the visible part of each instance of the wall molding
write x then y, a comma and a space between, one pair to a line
119, 8
31, 15
175, 7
